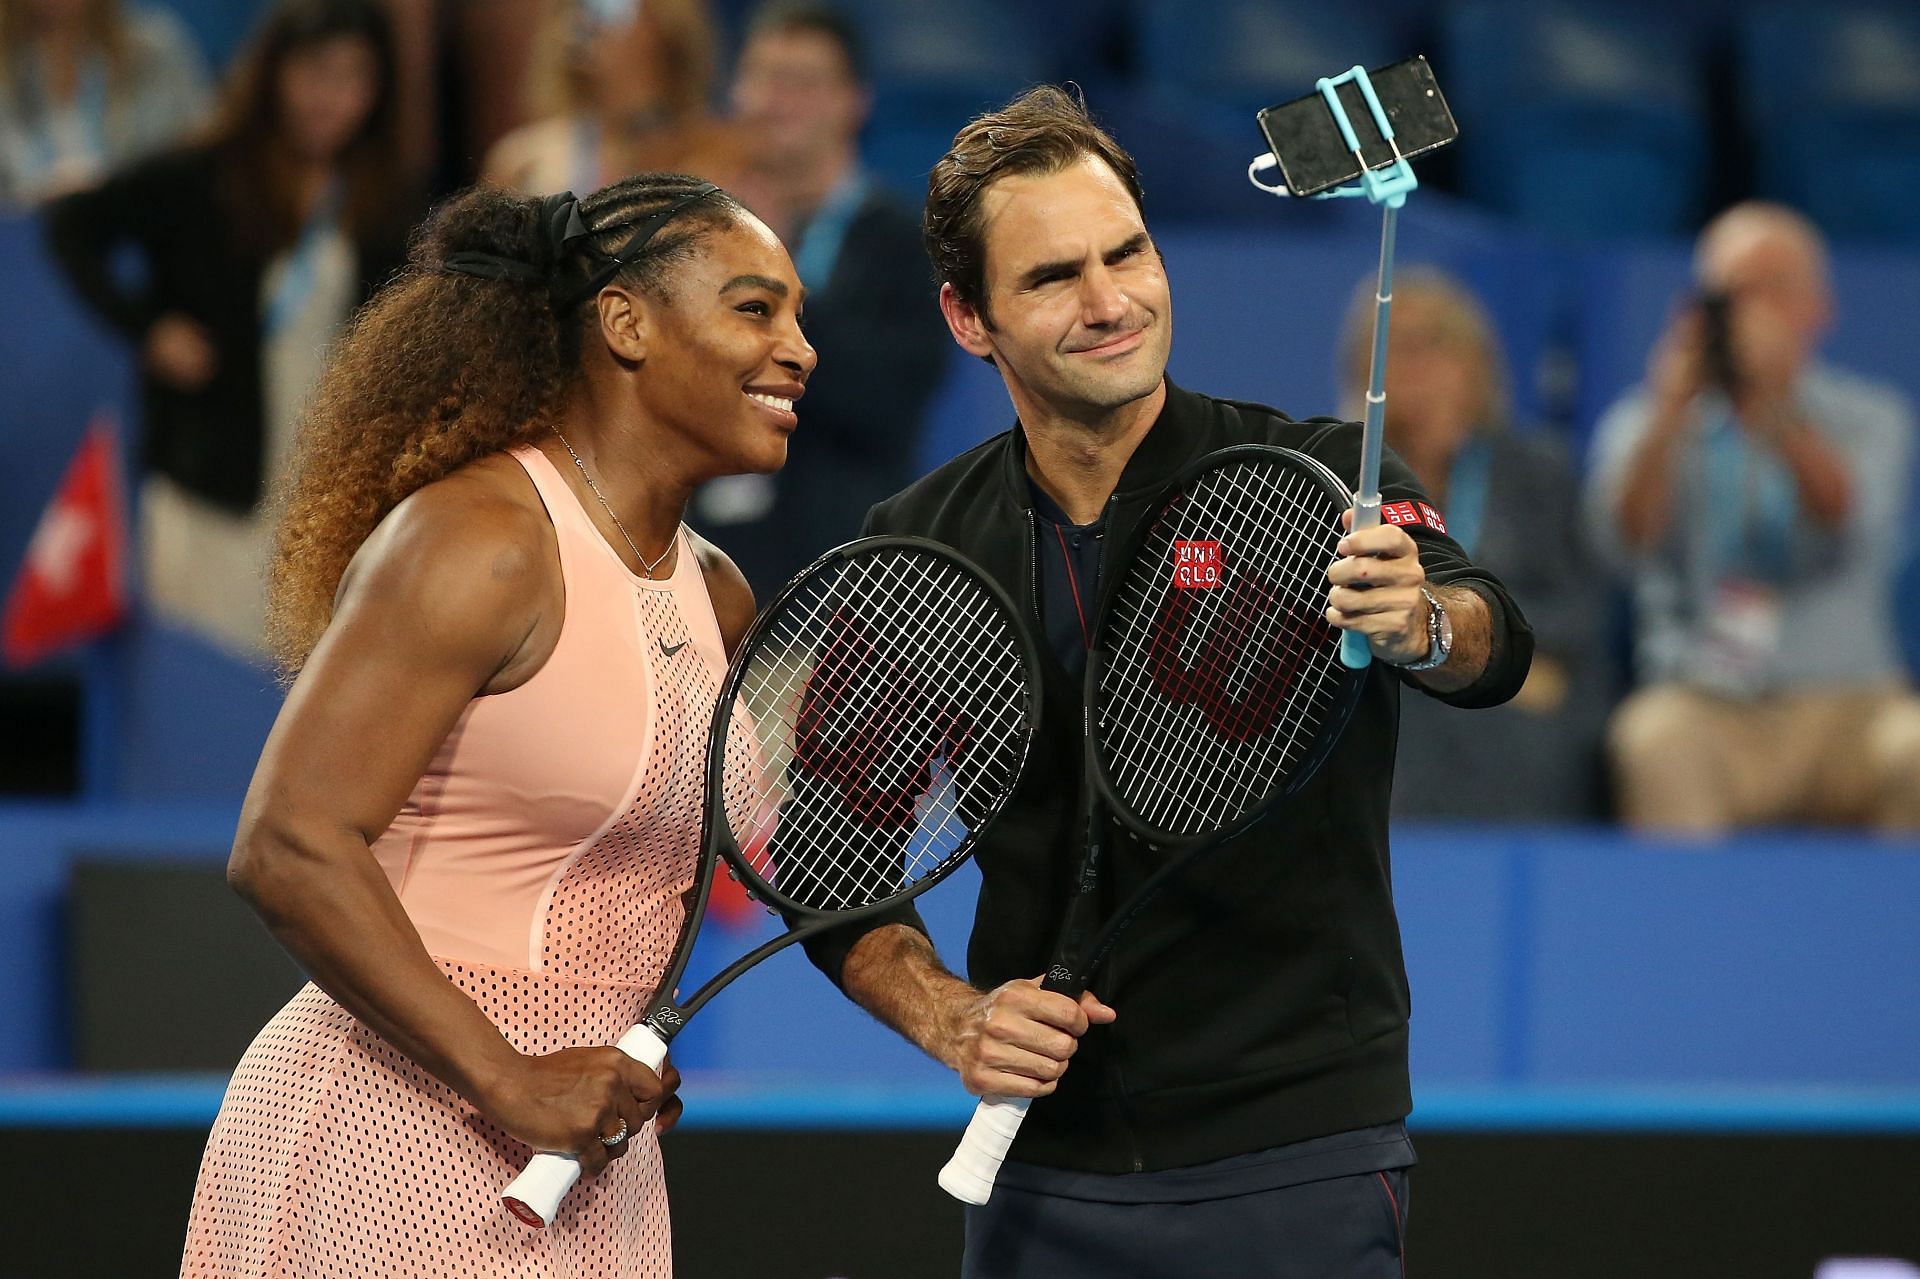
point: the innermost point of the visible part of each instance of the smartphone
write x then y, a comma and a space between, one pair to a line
1314, 157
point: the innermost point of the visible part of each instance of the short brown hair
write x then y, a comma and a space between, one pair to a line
1044, 130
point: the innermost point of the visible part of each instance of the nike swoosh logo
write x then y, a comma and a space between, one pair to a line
669, 652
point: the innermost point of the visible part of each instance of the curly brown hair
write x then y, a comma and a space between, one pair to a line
441, 368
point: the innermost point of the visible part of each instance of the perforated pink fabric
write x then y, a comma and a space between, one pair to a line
542, 858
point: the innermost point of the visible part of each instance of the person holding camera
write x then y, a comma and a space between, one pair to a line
1753, 495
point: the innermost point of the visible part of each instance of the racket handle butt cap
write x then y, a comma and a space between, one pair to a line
534, 1196
970, 1174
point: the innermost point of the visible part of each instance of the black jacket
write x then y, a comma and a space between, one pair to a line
172, 209
1262, 998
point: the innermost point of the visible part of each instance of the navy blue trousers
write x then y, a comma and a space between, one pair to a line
1341, 1228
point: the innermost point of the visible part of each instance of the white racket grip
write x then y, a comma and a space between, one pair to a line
534, 1196
970, 1174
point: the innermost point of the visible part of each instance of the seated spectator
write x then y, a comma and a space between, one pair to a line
1510, 499
256, 245
87, 85
618, 87
1755, 497
800, 97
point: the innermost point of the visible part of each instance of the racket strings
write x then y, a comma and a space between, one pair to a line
1213, 693
916, 790
888, 701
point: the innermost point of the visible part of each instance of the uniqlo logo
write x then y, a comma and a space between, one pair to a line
1408, 513
1399, 513
1196, 565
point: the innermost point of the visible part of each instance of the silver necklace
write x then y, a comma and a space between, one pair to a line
646, 566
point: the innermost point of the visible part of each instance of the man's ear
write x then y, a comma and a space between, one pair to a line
965, 323
627, 322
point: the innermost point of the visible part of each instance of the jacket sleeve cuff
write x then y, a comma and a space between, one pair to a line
1509, 653
829, 950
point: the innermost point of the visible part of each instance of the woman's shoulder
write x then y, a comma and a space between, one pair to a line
480, 530
458, 574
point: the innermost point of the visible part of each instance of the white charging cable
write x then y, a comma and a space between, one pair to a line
1267, 160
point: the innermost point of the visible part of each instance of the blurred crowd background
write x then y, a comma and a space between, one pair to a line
1683, 434
1652, 355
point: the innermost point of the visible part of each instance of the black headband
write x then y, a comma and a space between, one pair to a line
611, 264
560, 215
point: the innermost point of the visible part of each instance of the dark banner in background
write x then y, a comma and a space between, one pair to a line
112, 1204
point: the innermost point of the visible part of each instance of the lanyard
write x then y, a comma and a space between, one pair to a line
294, 289
1750, 511
1467, 492
826, 231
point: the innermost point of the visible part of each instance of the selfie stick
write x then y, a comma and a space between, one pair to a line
1387, 187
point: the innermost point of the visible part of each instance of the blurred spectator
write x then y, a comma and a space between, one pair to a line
85, 86
800, 97
1755, 496
1511, 500
618, 87
254, 247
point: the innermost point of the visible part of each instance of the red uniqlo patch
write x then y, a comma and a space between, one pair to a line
1404, 513
1196, 565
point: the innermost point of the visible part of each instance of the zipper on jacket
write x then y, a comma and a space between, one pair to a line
1033, 570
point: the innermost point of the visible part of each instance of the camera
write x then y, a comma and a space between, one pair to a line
1716, 340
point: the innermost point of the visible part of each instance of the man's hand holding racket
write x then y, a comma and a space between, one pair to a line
1016, 1040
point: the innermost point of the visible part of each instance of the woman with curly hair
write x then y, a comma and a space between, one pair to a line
476, 815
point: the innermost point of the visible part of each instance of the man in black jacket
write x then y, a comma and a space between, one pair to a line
1237, 1107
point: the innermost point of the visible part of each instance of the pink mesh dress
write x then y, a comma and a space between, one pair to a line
541, 858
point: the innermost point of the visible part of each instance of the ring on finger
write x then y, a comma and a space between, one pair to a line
618, 1137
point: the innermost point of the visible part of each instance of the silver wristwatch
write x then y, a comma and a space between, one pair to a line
1439, 636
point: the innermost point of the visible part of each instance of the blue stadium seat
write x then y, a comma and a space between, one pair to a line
1206, 69
1832, 99
1582, 120
935, 64
1242, 55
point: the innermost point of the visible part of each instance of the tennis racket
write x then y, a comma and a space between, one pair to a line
873, 722
1214, 689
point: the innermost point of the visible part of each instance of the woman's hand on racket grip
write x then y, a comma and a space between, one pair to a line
1016, 1040
1375, 590
569, 1100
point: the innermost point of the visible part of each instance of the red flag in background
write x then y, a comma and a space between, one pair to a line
72, 586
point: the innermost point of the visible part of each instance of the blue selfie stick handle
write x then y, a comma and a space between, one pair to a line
1354, 650
1386, 187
